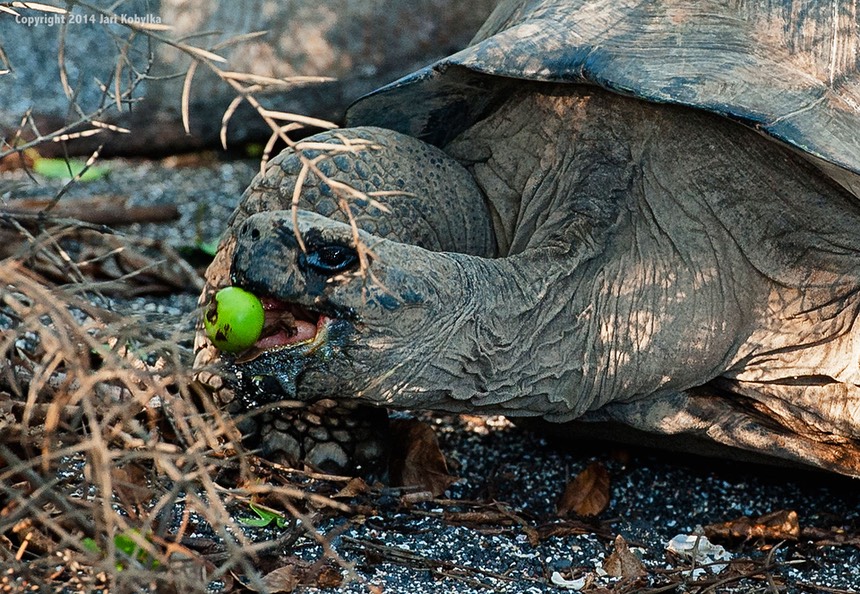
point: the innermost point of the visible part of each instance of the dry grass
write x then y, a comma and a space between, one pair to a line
103, 433
117, 471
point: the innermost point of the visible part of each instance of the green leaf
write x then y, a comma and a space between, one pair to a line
254, 149
265, 518
209, 248
67, 169
200, 253
127, 544
91, 545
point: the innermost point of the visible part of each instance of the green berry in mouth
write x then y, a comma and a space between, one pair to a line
234, 319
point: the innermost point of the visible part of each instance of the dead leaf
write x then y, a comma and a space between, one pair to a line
502, 516
353, 488
287, 575
132, 487
22, 160
329, 577
587, 494
833, 536
283, 579
622, 562
33, 540
416, 459
775, 526
298, 573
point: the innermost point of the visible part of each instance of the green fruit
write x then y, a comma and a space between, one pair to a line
234, 319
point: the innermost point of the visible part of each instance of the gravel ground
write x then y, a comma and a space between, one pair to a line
654, 495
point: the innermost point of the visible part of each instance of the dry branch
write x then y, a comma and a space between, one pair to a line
98, 210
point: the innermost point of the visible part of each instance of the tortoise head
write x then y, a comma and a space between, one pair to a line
356, 303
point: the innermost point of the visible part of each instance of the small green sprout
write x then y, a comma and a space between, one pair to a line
127, 544
265, 518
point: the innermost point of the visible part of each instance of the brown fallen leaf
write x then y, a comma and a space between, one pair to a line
22, 160
564, 528
587, 494
33, 540
775, 526
283, 579
353, 488
622, 562
416, 459
298, 573
834, 536
132, 487
329, 577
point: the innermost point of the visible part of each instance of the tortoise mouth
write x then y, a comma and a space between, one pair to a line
287, 325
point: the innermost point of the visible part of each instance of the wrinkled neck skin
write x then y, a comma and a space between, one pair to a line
628, 250
424, 323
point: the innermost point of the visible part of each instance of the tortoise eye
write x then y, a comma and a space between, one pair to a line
329, 259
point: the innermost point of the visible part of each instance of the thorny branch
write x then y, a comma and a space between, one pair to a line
246, 87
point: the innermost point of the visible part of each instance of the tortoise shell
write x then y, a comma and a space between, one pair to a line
788, 68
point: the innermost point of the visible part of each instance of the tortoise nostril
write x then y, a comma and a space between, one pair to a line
255, 234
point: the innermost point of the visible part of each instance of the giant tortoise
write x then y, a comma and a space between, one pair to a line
640, 219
